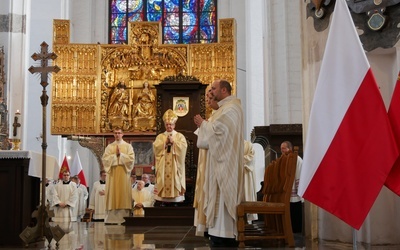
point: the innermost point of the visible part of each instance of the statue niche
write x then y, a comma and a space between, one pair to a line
118, 106
144, 112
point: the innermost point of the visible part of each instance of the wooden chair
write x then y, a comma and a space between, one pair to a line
275, 207
88, 215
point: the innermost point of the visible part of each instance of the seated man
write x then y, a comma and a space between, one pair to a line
141, 198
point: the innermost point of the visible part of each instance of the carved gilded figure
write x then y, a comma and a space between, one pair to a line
144, 115
145, 106
119, 101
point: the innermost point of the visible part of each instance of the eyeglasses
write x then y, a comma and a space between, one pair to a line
117, 133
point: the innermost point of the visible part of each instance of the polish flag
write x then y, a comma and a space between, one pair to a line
64, 167
76, 169
393, 180
349, 149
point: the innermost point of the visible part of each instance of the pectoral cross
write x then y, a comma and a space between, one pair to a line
16, 124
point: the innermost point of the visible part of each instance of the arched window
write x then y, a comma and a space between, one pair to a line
183, 21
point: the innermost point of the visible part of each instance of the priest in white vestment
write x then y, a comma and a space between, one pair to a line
250, 192
223, 187
83, 195
198, 203
97, 201
141, 198
64, 199
170, 153
118, 160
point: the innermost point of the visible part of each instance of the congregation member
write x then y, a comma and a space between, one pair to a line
118, 160
97, 201
64, 199
83, 195
170, 151
223, 186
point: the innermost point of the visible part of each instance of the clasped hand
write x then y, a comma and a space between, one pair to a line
198, 120
170, 140
118, 152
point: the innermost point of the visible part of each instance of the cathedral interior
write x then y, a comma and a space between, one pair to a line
271, 53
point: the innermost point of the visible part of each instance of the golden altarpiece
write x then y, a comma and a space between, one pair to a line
103, 86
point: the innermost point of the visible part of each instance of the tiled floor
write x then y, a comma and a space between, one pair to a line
96, 235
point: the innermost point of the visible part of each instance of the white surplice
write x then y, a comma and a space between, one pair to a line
64, 193
97, 201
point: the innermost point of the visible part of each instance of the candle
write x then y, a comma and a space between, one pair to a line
17, 125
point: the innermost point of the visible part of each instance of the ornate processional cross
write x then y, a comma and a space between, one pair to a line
43, 229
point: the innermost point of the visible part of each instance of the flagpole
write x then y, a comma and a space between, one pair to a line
354, 239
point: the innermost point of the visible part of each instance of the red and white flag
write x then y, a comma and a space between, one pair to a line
64, 167
393, 180
349, 149
76, 169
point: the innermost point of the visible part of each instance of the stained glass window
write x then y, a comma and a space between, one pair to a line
183, 21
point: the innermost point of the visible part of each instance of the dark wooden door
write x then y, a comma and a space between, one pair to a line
191, 91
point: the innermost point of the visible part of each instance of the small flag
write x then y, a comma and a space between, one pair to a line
64, 167
76, 169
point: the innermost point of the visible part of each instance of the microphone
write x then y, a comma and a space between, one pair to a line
169, 144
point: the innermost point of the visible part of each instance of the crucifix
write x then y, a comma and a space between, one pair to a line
43, 228
15, 125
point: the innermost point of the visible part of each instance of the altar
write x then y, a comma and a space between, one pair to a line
20, 191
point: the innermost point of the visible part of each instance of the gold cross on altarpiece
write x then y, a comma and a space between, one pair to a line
43, 228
